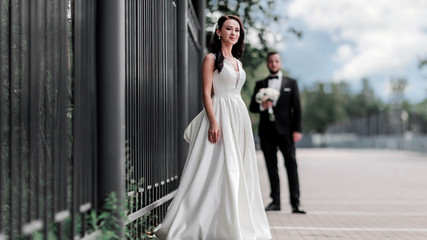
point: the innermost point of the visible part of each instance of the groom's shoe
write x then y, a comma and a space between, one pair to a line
273, 207
298, 210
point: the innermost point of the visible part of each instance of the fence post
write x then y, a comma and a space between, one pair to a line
202, 19
110, 54
182, 59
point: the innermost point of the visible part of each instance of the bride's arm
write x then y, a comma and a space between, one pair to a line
208, 68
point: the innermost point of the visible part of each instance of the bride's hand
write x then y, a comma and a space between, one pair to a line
213, 133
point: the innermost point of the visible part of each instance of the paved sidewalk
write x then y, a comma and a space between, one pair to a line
353, 194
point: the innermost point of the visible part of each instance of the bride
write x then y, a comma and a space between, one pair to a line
219, 194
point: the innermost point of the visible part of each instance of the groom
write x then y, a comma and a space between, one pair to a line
280, 132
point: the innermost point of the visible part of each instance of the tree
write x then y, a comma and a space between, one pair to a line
326, 103
421, 109
323, 104
257, 16
365, 102
398, 86
422, 63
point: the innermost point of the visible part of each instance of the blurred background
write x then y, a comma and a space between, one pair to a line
361, 66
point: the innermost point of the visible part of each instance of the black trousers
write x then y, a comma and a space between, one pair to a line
271, 141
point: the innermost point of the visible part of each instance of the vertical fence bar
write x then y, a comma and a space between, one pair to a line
34, 117
84, 160
145, 103
4, 103
61, 212
24, 102
13, 118
3, 64
111, 86
167, 152
150, 131
134, 95
129, 75
157, 108
182, 65
77, 10
139, 113
26, 181
127, 99
44, 112
53, 63
4, 117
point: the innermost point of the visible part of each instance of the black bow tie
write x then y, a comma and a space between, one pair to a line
273, 77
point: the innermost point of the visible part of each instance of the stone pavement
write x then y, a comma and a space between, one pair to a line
353, 194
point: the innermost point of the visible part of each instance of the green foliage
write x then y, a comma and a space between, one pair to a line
398, 86
365, 102
422, 63
252, 60
257, 16
114, 214
326, 103
143, 222
321, 105
253, 75
114, 211
110, 220
421, 109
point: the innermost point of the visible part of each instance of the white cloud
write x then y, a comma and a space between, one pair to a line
386, 36
345, 52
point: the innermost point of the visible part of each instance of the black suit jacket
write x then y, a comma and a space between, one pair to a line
287, 110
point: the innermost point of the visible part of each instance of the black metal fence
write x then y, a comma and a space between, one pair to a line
49, 89
151, 106
47, 116
392, 122
393, 129
154, 103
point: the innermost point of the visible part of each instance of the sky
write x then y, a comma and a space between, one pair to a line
347, 40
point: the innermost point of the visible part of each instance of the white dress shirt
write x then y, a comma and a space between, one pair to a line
275, 83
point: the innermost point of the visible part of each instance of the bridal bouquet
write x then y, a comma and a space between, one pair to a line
267, 94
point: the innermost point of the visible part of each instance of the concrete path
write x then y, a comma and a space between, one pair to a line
353, 194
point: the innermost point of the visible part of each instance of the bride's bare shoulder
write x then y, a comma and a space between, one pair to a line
209, 60
210, 57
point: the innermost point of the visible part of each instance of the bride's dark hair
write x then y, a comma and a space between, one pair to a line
215, 45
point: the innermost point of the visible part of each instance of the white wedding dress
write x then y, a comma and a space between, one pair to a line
219, 194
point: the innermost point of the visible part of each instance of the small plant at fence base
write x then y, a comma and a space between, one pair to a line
114, 214
110, 221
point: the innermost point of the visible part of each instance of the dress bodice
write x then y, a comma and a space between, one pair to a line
228, 82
